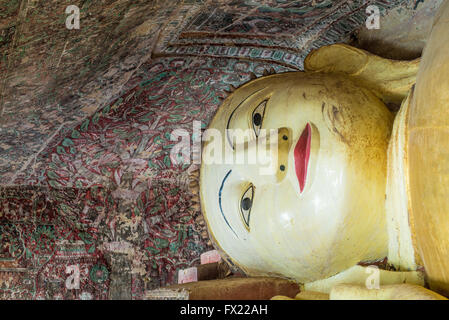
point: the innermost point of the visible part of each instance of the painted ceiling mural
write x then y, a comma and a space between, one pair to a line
86, 177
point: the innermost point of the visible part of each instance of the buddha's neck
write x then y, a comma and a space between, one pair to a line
401, 240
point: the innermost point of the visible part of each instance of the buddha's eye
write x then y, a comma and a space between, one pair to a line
246, 203
257, 117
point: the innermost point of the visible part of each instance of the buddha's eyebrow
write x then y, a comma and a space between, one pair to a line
230, 117
219, 201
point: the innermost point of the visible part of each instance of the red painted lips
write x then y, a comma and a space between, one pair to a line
302, 155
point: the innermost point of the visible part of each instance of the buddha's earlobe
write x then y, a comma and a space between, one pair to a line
390, 80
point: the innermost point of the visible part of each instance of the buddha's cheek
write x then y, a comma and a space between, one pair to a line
285, 225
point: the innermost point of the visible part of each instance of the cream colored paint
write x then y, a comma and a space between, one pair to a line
427, 152
334, 223
388, 292
401, 252
358, 275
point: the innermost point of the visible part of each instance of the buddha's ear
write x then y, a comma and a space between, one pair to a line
390, 80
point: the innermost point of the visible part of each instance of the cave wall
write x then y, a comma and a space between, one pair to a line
86, 115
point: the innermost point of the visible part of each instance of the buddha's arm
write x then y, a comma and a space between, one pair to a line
390, 80
355, 292
391, 292
355, 282
365, 276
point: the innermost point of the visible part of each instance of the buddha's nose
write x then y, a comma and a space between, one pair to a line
265, 159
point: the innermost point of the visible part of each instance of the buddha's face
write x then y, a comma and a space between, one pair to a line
322, 209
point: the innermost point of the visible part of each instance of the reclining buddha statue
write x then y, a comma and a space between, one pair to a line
348, 183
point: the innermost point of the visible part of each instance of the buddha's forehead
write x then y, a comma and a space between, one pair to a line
280, 88
270, 85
